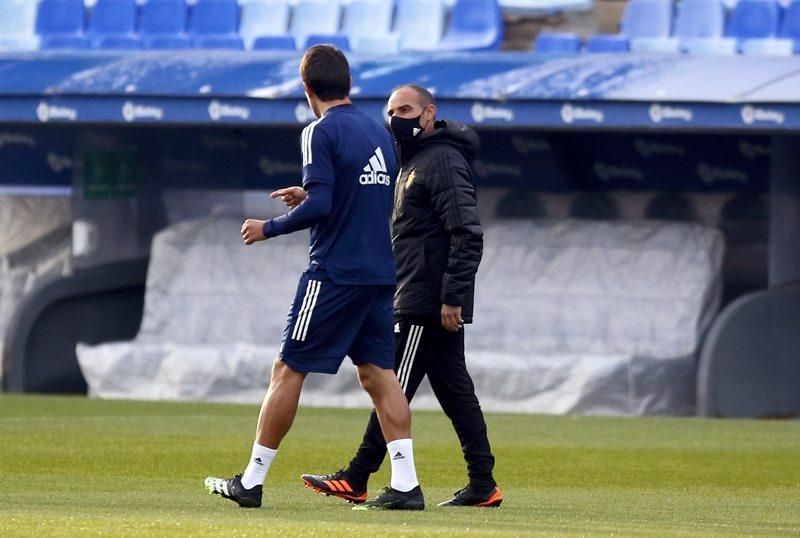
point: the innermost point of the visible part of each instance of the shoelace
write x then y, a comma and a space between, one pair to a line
334, 476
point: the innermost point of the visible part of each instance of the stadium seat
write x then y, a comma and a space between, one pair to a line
166, 42
474, 25
213, 24
767, 47
162, 18
647, 19
658, 45
699, 19
754, 19
52, 42
219, 42
17, 25
365, 19
320, 17
557, 43
57, 21
790, 23
338, 41
114, 42
607, 43
263, 18
710, 46
214, 17
113, 17
382, 44
274, 42
419, 24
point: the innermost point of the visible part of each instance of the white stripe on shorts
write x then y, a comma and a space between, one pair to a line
304, 308
307, 321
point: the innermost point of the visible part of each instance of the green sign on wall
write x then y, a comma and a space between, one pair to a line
109, 174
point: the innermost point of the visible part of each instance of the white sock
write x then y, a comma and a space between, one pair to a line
404, 474
256, 470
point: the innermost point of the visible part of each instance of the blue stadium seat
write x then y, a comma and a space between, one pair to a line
166, 42
754, 19
163, 17
319, 17
767, 47
339, 41
219, 42
117, 42
60, 17
17, 25
263, 18
790, 24
64, 41
607, 43
365, 19
214, 18
557, 43
474, 25
419, 24
274, 42
710, 46
700, 19
647, 19
113, 17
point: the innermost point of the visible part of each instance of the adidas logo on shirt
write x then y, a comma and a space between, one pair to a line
375, 171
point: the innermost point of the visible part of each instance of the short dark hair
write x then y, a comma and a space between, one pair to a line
325, 70
425, 97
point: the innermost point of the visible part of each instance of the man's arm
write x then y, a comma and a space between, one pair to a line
318, 181
315, 207
455, 203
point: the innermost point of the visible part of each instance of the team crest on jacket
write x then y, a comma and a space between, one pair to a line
411, 177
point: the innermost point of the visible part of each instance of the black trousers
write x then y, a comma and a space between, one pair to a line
424, 347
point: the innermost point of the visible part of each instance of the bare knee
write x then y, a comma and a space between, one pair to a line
372, 378
282, 374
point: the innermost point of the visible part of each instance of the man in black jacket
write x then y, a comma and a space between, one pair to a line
438, 243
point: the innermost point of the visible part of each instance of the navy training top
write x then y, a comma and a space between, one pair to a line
350, 158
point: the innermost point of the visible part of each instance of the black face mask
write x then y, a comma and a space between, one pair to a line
405, 129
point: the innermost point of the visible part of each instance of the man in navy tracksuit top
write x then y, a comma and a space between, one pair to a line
343, 304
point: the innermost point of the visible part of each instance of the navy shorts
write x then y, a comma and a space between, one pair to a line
328, 321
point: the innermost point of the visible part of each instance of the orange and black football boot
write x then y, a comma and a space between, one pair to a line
339, 484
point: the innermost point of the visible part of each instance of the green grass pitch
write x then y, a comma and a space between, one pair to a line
73, 466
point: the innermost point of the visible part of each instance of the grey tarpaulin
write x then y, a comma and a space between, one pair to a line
571, 316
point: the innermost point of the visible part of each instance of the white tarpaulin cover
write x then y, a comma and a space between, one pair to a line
571, 316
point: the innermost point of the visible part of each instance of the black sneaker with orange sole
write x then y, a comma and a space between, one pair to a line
339, 484
392, 499
490, 497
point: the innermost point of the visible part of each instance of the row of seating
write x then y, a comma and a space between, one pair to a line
363, 25
751, 27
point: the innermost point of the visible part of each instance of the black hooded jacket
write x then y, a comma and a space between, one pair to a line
436, 232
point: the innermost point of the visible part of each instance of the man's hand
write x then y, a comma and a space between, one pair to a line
451, 318
291, 196
252, 231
